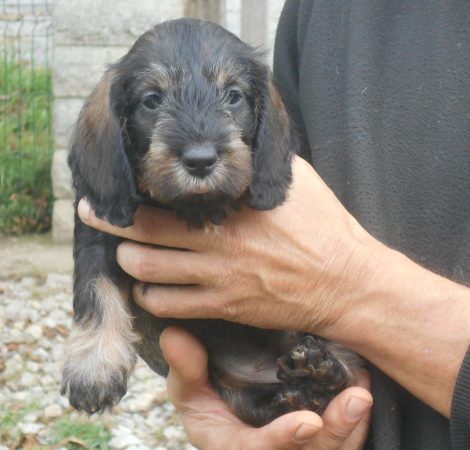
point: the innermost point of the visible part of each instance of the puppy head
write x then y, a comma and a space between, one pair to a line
189, 116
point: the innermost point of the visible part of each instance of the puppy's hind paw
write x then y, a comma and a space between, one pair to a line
312, 361
313, 372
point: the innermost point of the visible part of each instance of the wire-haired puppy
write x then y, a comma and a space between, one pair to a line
189, 119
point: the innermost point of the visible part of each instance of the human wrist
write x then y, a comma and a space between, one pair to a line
411, 323
389, 288
356, 258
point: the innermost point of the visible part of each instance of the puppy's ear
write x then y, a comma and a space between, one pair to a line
276, 143
100, 166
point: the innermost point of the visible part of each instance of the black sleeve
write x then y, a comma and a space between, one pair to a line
286, 61
460, 413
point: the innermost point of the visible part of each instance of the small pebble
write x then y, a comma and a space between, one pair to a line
30, 428
35, 331
53, 411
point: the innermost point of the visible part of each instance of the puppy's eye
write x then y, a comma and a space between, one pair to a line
234, 96
151, 101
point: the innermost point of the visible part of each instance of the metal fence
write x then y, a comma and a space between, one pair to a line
25, 116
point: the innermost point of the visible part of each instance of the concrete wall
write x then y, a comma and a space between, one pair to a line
89, 34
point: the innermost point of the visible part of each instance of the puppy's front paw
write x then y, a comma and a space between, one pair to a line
100, 351
97, 369
96, 390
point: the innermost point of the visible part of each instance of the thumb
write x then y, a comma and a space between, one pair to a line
288, 431
188, 374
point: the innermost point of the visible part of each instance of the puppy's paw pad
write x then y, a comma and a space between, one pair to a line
94, 395
310, 361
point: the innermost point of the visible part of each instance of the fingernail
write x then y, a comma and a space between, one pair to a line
140, 289
304, 433
83, 210
145, 288
356, 408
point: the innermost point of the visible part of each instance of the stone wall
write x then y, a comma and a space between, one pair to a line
89, 34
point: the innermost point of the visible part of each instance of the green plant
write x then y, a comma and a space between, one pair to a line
9, 419
26, 147
77, 433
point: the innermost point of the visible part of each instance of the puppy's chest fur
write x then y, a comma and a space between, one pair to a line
189, 119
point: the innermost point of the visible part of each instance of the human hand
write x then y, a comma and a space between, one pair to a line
210, 425
295, 267
306, 265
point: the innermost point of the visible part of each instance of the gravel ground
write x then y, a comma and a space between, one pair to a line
35, 319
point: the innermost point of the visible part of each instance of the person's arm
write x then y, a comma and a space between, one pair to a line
306, 265
411, 323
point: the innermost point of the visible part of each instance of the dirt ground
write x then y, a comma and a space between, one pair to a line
34, 255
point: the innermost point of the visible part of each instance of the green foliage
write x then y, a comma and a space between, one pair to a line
25, 147
77, 433
9, 433
68, 432
8, 420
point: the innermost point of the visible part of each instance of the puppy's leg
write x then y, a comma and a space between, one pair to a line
100, 352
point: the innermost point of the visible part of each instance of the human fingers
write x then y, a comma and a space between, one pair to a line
345, 422
200, 302
193, 301
151, 225
187, 359
181, 301
357, 438
288, 432
163, 265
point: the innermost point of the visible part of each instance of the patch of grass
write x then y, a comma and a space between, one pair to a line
9, 419
74, 434
8, 431
25, 147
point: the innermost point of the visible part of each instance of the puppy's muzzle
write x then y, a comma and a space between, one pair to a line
199, 160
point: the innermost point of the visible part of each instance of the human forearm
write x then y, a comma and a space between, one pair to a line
409, 322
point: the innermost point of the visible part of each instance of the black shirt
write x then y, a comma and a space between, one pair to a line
380, 92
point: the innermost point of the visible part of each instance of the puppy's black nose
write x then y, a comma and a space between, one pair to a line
199, 160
